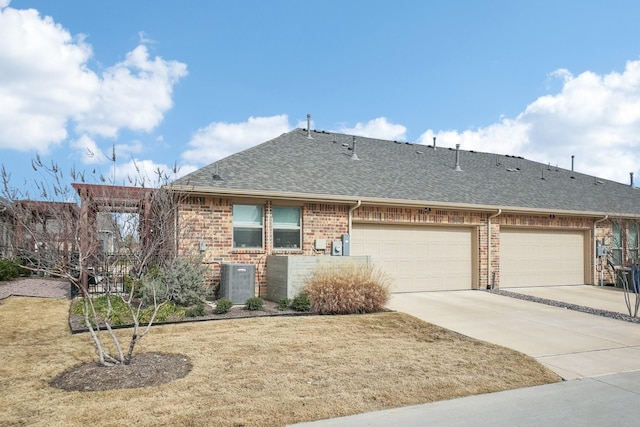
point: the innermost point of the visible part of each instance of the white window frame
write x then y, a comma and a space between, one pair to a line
247, 226
286, 227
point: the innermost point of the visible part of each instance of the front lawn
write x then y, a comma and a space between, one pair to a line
267, 371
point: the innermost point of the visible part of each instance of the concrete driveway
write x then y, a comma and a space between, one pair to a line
571, 343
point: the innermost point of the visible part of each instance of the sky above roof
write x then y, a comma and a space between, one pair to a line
164, 83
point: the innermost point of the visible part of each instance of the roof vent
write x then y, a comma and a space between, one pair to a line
458, 158
309, 127
354, 156
631, 176
216, 175
434, 142
572, 157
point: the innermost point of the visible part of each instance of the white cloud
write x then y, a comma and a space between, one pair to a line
4, 3
594, 117
378, 128
219, 139
133, 94
148, 173
46, 85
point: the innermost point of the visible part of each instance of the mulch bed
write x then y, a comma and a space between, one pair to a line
144, 370
270, 308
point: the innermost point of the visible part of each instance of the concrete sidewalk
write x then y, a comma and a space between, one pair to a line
610, 400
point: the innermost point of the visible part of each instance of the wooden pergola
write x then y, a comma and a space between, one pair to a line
113, 199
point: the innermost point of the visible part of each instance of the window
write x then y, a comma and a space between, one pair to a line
616, 245
632, 243
247, 226
286, 228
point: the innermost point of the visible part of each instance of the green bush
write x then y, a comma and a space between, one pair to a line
8, 270
183, 282
136, 285
254, 304
223, 305
284, 303
120, 314
348, 289
168, 312
301, 303
196, 311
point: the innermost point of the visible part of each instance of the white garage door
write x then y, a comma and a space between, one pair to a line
418, 258
541, 257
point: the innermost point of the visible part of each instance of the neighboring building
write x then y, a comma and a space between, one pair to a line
45, 232
433, 217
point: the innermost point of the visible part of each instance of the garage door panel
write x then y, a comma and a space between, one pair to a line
541, 257
418, 258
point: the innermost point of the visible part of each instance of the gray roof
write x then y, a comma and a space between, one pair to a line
292, 165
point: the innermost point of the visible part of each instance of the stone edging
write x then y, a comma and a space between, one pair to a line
569, 306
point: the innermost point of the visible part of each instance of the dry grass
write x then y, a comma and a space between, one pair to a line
251, 372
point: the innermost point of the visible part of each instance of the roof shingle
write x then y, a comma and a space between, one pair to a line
398, 171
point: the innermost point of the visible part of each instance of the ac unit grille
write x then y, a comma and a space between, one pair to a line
237, 282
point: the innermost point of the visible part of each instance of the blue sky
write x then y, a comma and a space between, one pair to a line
188, 83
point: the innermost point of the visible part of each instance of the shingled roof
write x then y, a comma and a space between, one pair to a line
324, 167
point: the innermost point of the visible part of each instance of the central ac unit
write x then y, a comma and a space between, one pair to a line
237, 282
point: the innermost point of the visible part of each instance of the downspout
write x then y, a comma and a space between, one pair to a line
353, 208
595, 250
489, 284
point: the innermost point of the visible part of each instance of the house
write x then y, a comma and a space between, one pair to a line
43, 232
434, 218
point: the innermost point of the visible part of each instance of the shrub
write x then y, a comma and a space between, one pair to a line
301, 303
348, 289
120, 314
169, 311
284, 303
254, 304
196, 311
20, 265
136, 285
8, 270
183, 282
223, 305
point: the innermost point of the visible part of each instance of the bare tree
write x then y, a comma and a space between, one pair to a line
99, 238
622, 263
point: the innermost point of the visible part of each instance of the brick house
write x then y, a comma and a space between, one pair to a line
434, 218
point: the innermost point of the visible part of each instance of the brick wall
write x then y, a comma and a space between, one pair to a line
209, 220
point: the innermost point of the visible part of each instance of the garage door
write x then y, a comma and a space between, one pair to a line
418, 258
541, 257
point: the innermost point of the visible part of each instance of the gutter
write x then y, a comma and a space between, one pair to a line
489, 284
310, 197
351, 210
595, 254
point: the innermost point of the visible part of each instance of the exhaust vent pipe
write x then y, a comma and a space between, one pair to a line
434, 142
458, 158
631, 176
572, 157
309, 127
354, 156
